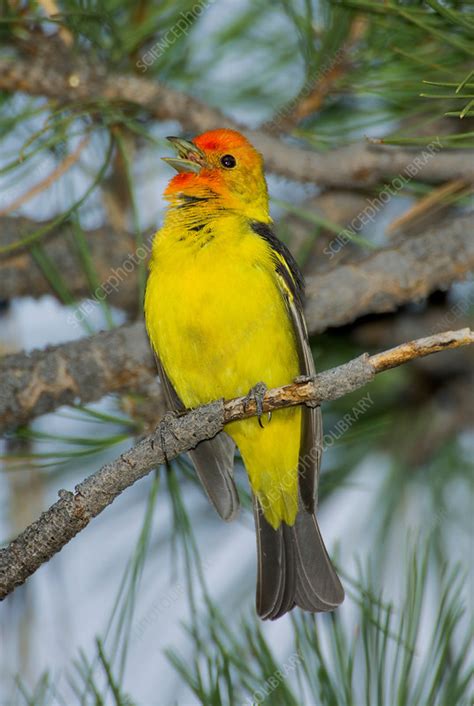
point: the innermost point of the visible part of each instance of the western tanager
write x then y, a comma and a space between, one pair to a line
224, 312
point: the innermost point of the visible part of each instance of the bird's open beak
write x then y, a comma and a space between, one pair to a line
190, 158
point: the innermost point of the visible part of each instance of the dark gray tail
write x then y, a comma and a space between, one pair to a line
294, 568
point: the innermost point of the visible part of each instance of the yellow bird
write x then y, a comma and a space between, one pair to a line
224, 312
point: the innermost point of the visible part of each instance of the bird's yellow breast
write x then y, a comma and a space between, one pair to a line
218, 321
215, 314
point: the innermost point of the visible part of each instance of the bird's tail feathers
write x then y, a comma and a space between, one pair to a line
293, 567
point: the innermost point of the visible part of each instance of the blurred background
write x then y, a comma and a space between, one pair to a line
153, 603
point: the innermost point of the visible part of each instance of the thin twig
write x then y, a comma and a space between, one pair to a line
435, 200
315, 91
45, 183
73, 511
339, 381
51, 9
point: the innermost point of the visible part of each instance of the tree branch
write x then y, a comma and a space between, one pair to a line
36, 383
76, 78
109, 248
120, 360
390, 277
73, 511
348, 377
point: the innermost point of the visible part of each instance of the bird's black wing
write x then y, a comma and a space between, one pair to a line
292, 288
213, 459
293, 565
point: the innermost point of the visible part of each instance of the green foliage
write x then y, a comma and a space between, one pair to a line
373, 651
378, 656
63, 452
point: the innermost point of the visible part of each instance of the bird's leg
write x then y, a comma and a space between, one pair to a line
256, 394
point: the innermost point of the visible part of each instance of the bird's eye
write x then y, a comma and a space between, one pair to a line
228, 161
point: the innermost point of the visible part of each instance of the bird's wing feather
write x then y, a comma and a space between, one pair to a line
213, 460
317, 586
312, 424
293, 564
291, 285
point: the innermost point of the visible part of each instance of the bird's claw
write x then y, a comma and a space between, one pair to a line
256, 394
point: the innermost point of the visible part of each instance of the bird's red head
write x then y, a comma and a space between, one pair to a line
223, 167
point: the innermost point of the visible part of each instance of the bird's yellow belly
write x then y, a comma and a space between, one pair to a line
219, 325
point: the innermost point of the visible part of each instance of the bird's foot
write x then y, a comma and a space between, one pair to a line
256, 394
